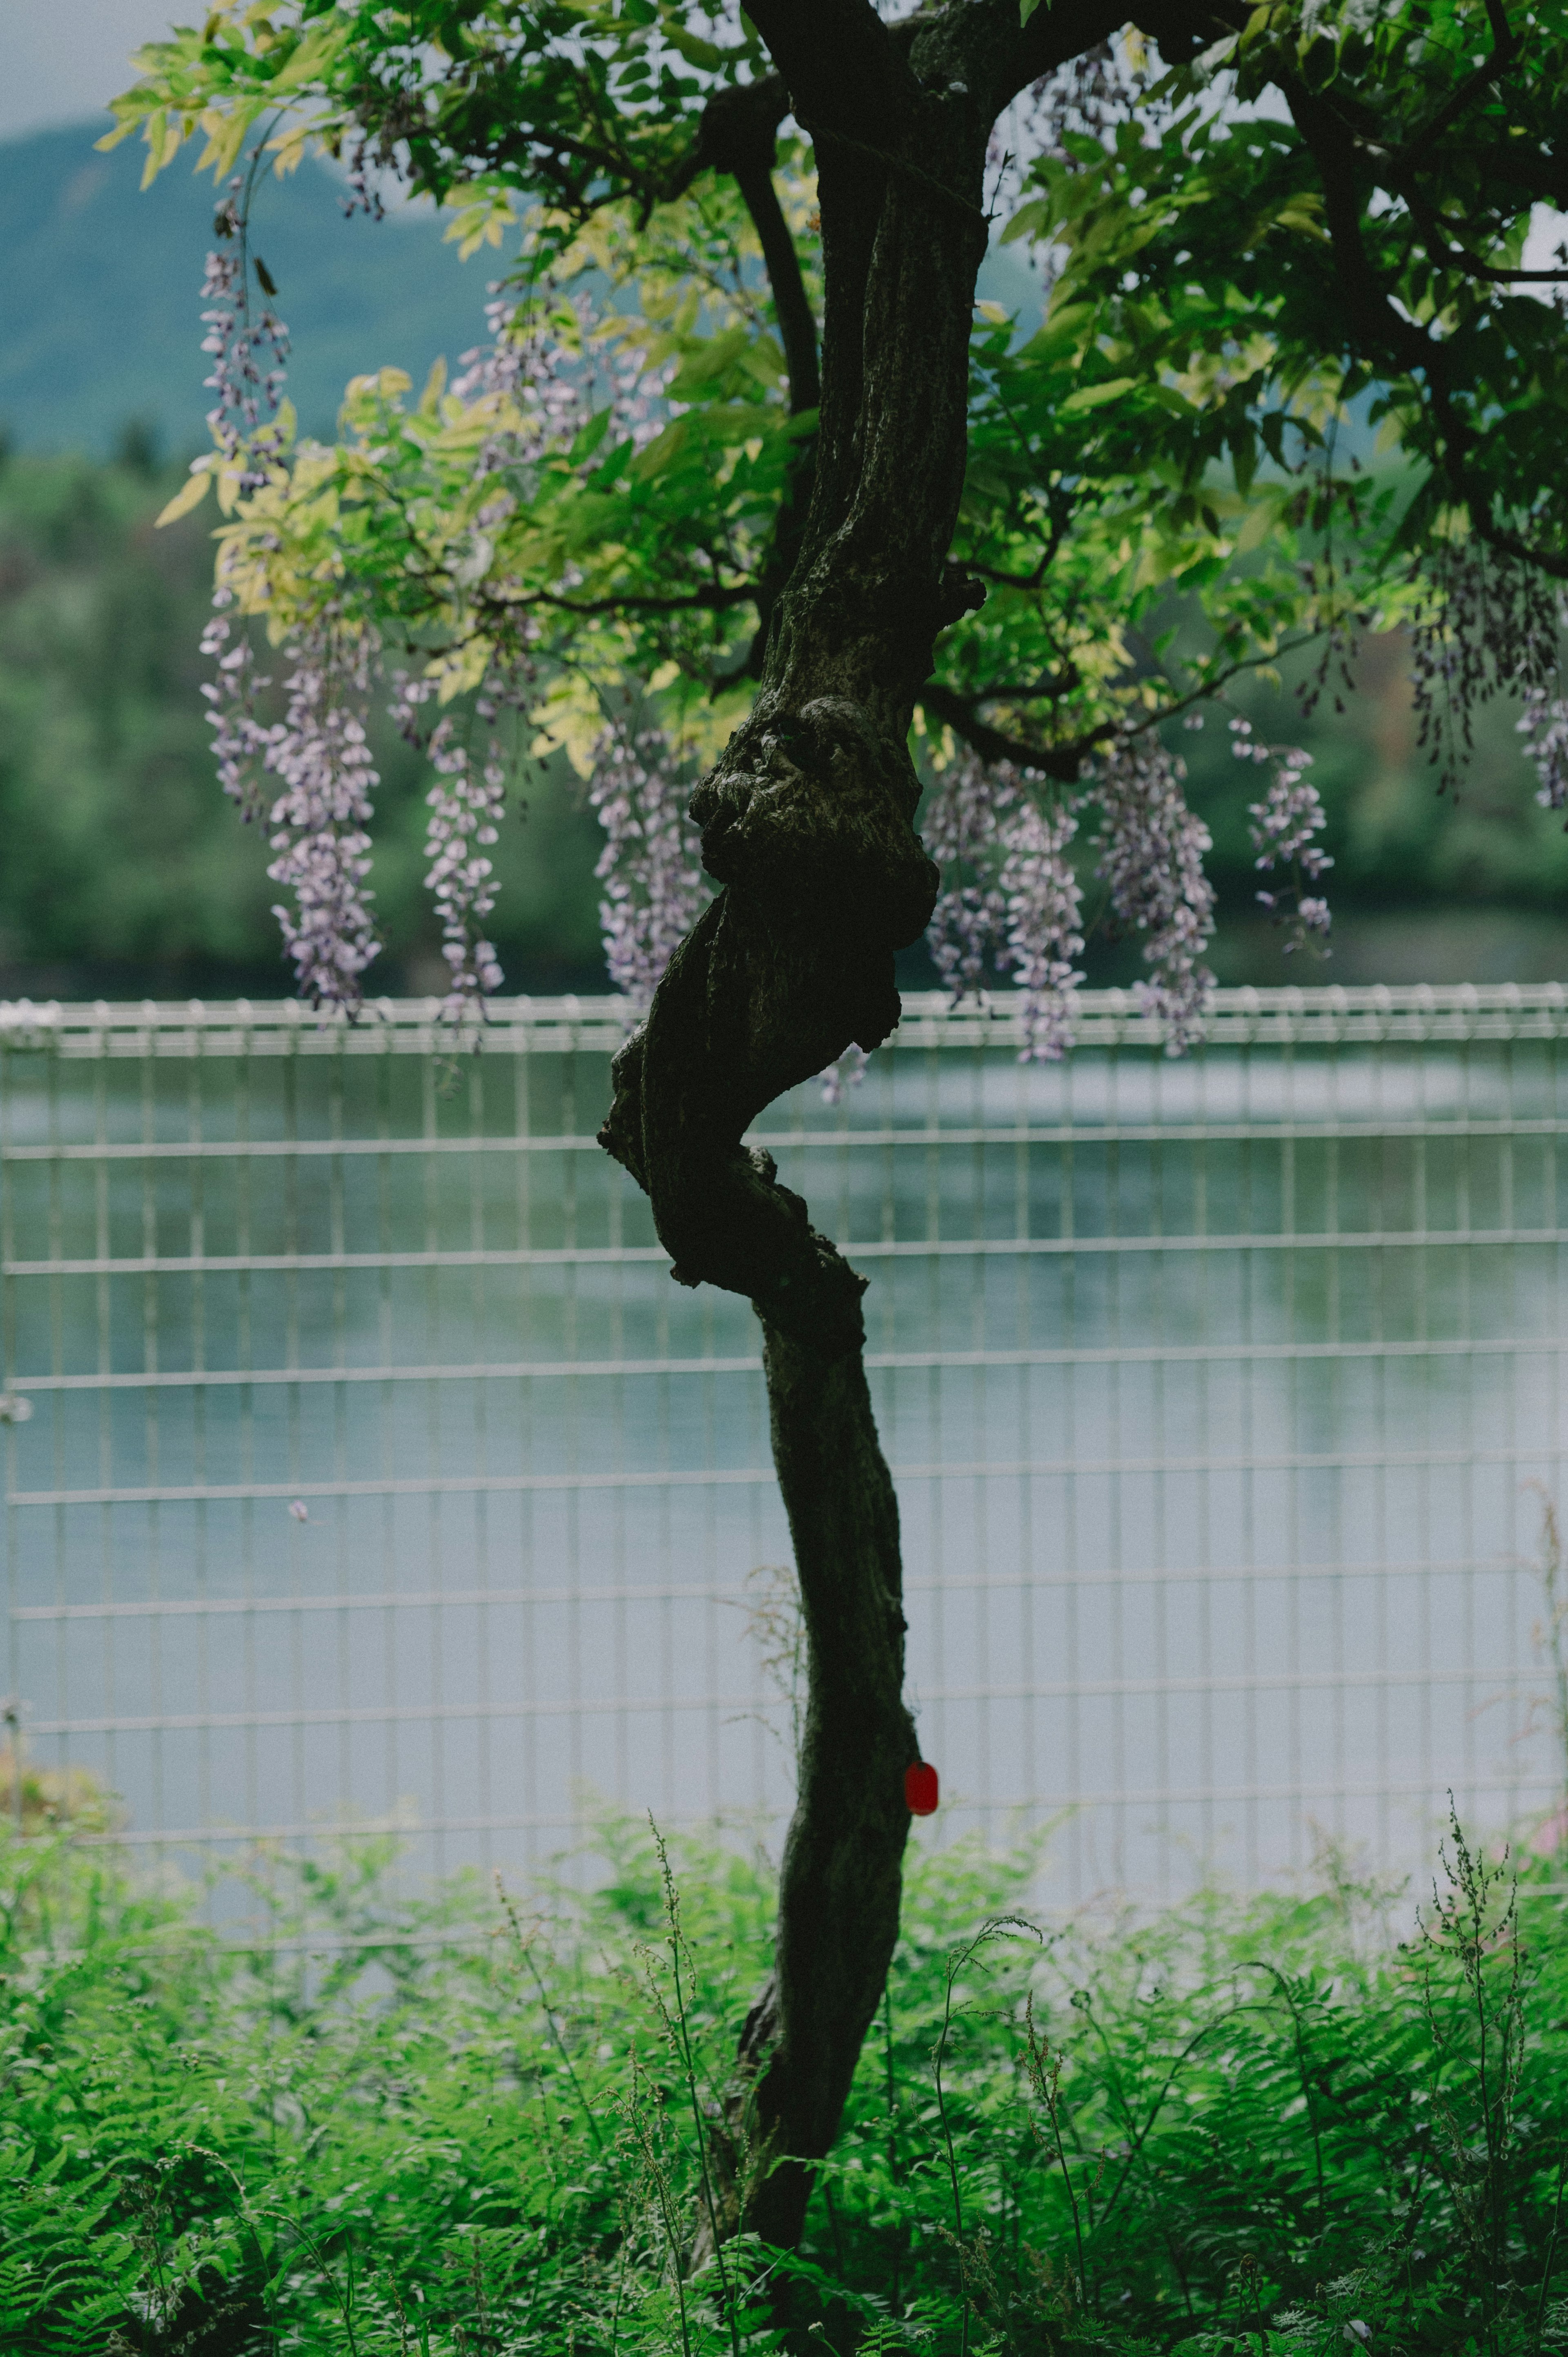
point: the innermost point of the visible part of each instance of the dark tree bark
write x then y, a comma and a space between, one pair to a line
808, 824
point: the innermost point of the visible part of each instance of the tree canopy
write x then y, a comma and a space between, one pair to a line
1266, 238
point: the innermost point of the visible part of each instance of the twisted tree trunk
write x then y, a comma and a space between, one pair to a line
808, 822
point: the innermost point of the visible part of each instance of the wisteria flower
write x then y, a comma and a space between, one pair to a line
650, 865
1151, 855
1283, 827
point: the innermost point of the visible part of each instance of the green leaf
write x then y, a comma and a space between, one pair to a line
592, 435
1028, 218
696, 51
1095, 397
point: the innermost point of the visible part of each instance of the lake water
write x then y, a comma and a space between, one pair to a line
1213, 1391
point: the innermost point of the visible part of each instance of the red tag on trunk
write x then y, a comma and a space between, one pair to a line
920, 1789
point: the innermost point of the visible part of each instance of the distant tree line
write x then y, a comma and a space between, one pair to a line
119, 876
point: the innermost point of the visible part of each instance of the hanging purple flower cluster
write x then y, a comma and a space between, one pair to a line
1544, 728
1041, 892
969, 924
249, 372
518, 366
467, 805
1282, 826
1010, 898
651, 867
550, 380
1487, 624
1151, 855
465, 809
319, 754
249, 358
310, 774
239, 739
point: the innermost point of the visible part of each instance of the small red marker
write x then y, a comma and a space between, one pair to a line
920, 1789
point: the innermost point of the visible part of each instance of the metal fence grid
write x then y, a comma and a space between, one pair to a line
375, 1468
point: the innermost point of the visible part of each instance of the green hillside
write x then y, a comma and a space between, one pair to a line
100, 285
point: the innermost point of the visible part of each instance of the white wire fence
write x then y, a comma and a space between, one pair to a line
362, 1463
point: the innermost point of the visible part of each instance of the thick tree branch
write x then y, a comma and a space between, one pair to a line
1542, 177
1439, 234
841, 64
738, 134
961, 714
718, 600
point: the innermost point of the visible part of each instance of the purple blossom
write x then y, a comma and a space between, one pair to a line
1282, 826
1041, 892
1151, 855
466, 805
320, 755
239, 739
968, 931
847, 1071
1544, 728
463, 809
518, 367
249, 364
248, 376
551, 382
1010, 898
651, 867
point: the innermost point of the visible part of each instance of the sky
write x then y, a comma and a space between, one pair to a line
66, 58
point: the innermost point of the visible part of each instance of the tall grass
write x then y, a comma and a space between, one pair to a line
1258, 2126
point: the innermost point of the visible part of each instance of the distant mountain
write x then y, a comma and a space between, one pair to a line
100, 286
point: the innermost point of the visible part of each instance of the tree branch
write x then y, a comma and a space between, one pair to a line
1387, 332
737, 134
840, 62
1505, 47
719, 598
963, 715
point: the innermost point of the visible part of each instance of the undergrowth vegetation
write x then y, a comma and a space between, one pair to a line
449, 2126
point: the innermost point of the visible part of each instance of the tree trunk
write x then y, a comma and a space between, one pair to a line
808, 822
839, 1883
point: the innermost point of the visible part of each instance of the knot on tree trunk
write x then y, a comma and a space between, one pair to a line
816, 808
807, 822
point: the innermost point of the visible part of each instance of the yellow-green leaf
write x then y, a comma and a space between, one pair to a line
1257, 525
189, 496
315, 53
